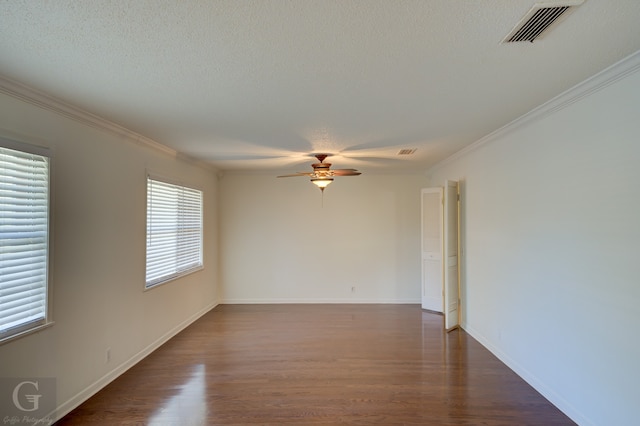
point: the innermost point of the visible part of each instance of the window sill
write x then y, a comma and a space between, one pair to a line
173, 277
26, 332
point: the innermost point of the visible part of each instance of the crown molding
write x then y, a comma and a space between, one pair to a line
44, 101
606, 77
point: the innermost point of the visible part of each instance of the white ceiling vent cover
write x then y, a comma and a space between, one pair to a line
539, 19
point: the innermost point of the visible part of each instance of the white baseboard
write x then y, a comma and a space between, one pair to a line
66, 407
531, 379
318, 301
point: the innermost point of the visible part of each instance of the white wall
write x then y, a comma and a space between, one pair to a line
551, 228
281, 244
99, 219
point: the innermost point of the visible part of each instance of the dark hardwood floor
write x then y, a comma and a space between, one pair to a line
322, 365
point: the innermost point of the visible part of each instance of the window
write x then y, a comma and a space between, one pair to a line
24, 238
174, 231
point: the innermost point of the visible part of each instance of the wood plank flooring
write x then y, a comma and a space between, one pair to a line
318, 365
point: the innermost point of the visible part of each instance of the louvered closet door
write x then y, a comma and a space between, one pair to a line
432, 249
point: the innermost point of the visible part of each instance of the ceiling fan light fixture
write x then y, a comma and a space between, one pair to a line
322, 174
322, 182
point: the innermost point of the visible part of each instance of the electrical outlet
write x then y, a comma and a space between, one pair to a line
107, 355
353, 289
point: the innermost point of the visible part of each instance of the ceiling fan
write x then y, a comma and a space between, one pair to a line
322, 174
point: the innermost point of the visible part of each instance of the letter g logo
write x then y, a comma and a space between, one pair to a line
33, 399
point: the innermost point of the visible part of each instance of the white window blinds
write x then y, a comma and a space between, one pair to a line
24, 240
174, 231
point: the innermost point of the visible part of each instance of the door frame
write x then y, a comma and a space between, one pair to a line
451, 257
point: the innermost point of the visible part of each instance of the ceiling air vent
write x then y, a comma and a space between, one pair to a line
539, 19
407, 151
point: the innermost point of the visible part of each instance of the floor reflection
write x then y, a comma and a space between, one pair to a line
318, 364
188, 407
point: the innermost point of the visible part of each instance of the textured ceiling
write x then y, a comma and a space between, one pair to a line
260, 84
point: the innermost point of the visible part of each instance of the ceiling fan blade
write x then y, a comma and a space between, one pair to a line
296, 174
346, 172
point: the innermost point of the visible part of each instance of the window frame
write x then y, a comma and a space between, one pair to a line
176, 274
47, 321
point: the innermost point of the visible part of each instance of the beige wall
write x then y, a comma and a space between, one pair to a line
98, 248
282, 243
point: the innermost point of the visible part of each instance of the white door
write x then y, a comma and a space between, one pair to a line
450, 256
432, 225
